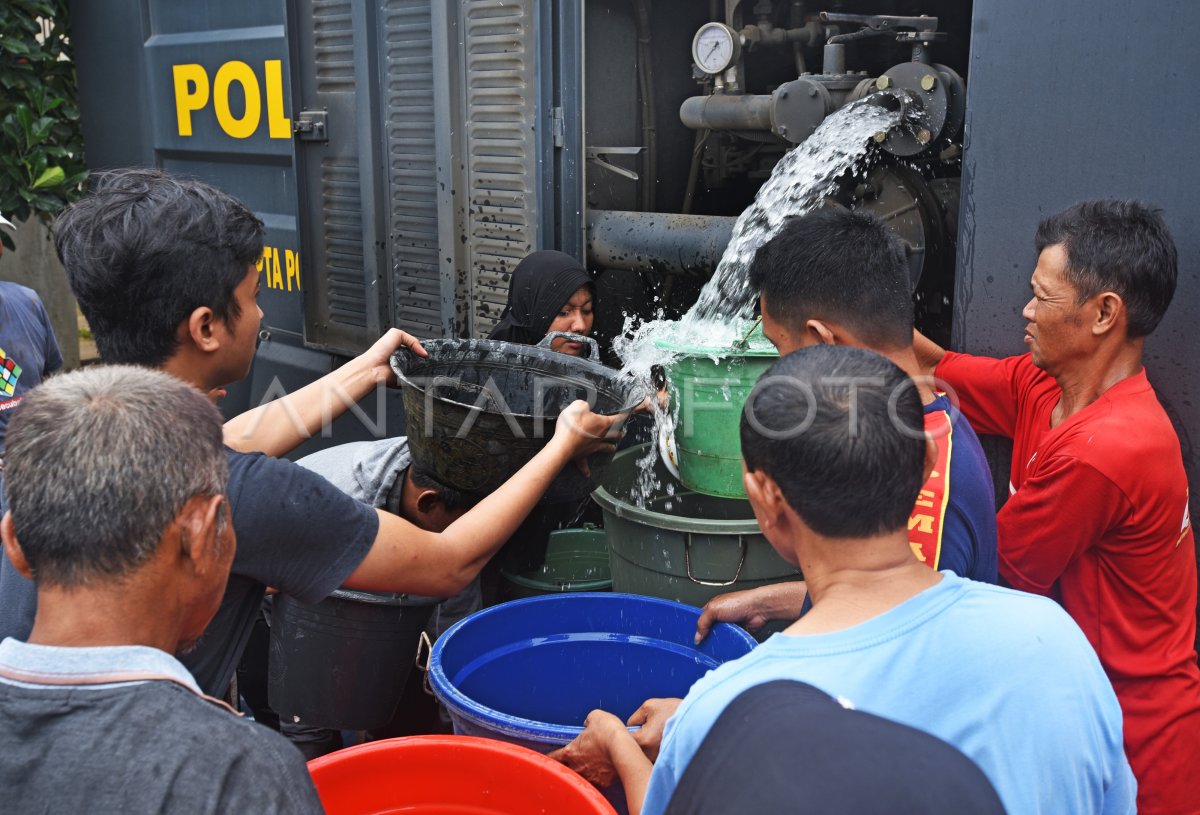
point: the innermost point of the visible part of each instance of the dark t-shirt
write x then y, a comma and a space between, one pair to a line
969, 530
295, 532
28, 350
805, 753
154, 747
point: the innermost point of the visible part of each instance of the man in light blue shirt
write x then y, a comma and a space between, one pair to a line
834, 459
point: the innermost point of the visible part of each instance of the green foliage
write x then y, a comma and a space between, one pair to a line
41, 145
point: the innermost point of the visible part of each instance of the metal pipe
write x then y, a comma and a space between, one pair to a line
727, 112
689, 195
834, 59
656, 241
645, 72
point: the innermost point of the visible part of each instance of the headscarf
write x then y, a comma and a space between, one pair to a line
540, 285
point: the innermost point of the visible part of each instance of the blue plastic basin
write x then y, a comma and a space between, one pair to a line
530, 671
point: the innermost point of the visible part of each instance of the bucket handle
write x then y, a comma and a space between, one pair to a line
687, 559
426, 645
592, 346
740, 344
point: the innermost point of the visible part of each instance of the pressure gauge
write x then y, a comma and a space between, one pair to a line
715, 47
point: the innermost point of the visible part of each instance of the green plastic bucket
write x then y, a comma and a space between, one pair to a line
576, 560
688, 547
710, 386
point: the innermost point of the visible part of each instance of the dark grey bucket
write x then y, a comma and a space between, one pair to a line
342, 663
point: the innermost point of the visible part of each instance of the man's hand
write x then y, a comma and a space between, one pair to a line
592, 753
753, 608
652, 716
585, 432
377, 358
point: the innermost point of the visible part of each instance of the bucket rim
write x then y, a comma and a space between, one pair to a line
632, 391
518, 726
556, 586
676, 523
382, 598
474, 744
722, 353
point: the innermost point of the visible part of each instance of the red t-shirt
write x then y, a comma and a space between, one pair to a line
1097, 517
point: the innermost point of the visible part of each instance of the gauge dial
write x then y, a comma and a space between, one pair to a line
715, 47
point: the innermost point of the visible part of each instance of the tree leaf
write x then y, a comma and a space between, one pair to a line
51, 177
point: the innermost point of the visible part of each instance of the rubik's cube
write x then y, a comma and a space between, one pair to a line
10, 372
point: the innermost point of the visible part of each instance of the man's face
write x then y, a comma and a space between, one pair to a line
1058, 333
784, 339
240, 334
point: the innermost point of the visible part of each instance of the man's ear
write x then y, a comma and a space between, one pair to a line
12, 548
764, 494
1109, 310
931, 456
820, 332
199, 521
200, 329
428, 501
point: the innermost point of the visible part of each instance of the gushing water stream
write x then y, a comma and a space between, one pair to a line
801, 180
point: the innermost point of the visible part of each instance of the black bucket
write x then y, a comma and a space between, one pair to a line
342, 663
478, 410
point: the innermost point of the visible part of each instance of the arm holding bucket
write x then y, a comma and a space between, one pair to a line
753, 608
651, 718
279, 426
408, 559
606, 751
928, 352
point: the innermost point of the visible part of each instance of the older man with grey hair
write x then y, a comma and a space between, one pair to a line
116, 481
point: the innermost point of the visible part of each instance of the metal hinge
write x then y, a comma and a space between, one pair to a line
310, 126
558, 127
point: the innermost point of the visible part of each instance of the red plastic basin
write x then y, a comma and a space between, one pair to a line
450, 775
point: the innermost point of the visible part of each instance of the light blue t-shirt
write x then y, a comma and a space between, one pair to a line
1006, 677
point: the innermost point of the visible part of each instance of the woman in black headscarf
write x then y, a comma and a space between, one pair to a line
549, 291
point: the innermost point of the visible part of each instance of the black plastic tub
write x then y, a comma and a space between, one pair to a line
478, 410
342, 663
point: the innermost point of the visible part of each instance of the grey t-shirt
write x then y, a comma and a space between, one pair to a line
295, 532
135, 747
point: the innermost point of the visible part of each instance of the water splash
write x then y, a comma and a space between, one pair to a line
799, 183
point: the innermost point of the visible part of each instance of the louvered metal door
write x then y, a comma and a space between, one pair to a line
505, 105
337, 173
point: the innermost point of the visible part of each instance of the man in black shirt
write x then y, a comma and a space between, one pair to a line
163, 269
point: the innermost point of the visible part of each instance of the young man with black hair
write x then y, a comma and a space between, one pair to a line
1097, 515
163, 269
834, 458
117, 487
837, 277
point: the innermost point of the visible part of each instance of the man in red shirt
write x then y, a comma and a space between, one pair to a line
1097, 514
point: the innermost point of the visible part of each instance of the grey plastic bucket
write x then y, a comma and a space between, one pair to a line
576, 560
686, 547
342, 663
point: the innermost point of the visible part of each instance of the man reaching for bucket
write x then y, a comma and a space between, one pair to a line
1097, 515
836, 277
164, 270
835, 457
